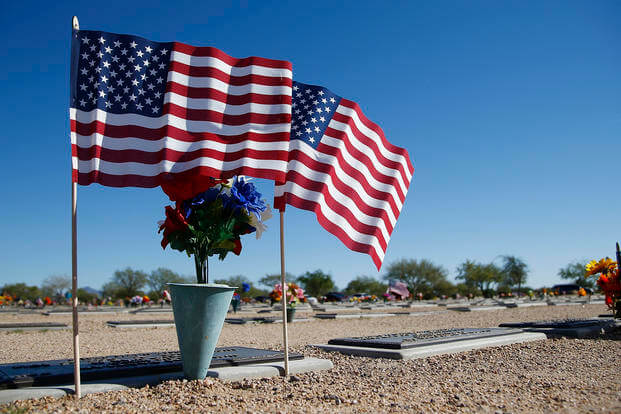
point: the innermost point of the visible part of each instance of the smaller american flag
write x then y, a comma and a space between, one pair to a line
399, 288
342, 167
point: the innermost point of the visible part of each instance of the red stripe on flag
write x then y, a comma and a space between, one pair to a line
209, 93
130, 180
229, 60
225, 119
154, 134
167, 154
210, 72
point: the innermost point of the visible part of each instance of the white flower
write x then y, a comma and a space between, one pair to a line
257, 224
267, 213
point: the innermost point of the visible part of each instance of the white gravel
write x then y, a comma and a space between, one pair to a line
559, 375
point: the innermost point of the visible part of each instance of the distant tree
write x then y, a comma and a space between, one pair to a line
421, 276
84, 296
22, 291
158, 278
56, 285
112, 290
272, 279
479, 276
366, 284
126, 283
316, 283
444, 287
464, 289
239, 281
576, 271
515, 271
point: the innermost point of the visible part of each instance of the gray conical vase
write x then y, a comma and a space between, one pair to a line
199, 310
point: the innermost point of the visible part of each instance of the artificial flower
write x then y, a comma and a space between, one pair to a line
175, 221
211, 221
179, 189
603, 266
244, 195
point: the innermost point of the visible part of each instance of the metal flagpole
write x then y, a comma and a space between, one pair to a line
74, 268
285, 337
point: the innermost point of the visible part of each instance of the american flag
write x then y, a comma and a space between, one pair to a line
396, 287
143, 113
342, 167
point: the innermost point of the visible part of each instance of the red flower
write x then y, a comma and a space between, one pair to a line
238, 247
174, 222
184, 189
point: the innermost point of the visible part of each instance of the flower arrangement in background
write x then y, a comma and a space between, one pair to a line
295, 294
363, 299
211, 222
136, 300
608, 281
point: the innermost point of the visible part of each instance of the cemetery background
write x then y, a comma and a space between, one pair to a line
499, 107
560, 375
509, 184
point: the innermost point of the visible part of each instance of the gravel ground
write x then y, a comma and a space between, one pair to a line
555, 375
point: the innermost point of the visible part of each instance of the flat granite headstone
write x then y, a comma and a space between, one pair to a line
422, 338
30, 326
577, 328
57, 372
147, 323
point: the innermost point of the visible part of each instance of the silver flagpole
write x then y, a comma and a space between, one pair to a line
285, 337
74, 268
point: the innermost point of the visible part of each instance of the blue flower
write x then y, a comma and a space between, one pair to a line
200, 199
245, 195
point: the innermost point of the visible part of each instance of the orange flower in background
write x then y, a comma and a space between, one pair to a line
608, 280
603, 266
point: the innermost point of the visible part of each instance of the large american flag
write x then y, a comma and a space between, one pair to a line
342, 167
143, 113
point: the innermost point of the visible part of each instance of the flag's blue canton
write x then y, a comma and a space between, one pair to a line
312, 108
120, 74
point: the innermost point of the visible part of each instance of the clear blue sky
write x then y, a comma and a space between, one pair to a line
511, 111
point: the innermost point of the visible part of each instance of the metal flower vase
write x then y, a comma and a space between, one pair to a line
199, 310
290, 312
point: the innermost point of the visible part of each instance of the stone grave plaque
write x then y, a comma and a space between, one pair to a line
143, 322
264, 320
326, 316
236, 321
32, 325
58, 372
422, 338
553, 323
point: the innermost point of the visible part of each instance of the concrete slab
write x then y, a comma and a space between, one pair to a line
141, 325
475, 308
33, 328
525, 304
237, 373
603, 326
437, 349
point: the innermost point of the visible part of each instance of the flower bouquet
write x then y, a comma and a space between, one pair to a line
293, 295
206, 224
608, 281
211, 222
